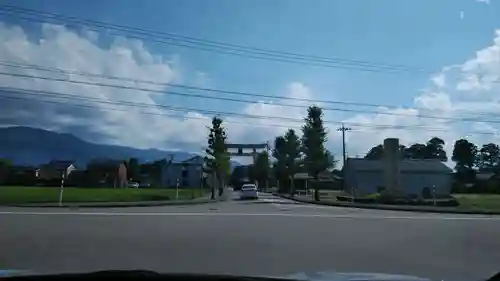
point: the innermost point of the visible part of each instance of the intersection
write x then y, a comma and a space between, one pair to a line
270, 236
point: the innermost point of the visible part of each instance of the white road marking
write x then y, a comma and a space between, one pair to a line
346, 216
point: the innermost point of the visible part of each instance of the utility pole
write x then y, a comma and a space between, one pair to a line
343, 129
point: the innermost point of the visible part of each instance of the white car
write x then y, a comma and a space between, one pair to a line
133, 185
249, 191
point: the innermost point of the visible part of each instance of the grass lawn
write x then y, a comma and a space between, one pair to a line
14, 194
479, 201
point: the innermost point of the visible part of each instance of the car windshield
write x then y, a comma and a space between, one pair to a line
308, 137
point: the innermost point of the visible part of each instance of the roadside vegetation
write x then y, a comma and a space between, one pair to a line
479, 201
22, 195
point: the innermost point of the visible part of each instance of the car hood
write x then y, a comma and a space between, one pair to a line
302, 276
352, 276
12, 272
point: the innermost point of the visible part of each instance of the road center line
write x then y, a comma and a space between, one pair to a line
327, 216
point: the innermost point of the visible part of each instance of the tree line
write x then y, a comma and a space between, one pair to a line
432, 149
291, 153
469, 158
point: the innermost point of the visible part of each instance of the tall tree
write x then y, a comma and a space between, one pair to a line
217, 160
314, 136
416, 151
133, 168
434, 149
375, 153
489, 157
259, 171
464, 155
279, 167
292, 152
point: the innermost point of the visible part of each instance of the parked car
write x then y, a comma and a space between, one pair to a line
133, 185
249, 191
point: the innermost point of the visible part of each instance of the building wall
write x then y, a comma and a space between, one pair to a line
188, 175
414, 183
363, 182
368, 182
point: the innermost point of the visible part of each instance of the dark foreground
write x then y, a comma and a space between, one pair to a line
266, 237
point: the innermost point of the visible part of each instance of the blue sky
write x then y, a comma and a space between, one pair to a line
423, 34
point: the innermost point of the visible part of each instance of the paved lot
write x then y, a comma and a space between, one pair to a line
266, 237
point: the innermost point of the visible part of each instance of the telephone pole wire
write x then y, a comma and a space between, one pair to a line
343, 129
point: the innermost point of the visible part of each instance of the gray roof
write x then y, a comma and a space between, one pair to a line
60, 164
194, 160
406, 165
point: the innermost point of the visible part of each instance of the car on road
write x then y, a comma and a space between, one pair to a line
249, 191
133, 185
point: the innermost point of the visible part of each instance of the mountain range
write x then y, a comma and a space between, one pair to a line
32, 146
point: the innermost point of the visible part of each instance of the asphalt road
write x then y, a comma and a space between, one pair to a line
265, 237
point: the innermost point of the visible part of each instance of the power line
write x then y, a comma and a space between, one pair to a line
141, 112
206, 45
213, 112
451, 119
189, 87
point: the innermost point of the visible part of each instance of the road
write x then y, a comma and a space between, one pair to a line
270, 236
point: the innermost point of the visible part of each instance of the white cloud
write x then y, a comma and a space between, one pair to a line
468, 90
483, 1
456, 91
59, 47
439, 80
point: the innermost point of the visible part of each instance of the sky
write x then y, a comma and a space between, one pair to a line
386, 68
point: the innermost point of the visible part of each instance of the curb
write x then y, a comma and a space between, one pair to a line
115, 204
440, 210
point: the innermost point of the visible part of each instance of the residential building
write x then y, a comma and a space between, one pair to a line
107, 173
396, 176
187, 173
55, 170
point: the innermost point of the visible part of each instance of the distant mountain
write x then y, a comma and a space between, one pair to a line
31, 146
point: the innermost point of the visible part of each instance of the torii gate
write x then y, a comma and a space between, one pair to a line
242, 150
252, 146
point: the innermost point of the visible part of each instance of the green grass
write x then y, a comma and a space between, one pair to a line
16, 195
478, 201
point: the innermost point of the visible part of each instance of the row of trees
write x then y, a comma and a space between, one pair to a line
466, 155
432, 149
469, 156
290, 153
307, 153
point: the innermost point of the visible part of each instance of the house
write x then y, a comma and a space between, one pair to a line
405, 177
107, 173
187, 173
55, 170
